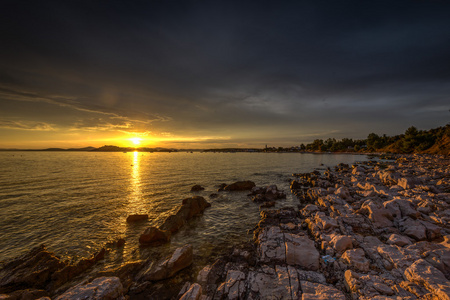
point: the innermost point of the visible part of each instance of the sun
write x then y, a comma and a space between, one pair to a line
136, 141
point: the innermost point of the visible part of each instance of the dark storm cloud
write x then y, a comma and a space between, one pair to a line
223, 65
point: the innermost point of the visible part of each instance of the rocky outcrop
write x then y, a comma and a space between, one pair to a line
103, 288
40, 270
32, 270
377, 230
191, 207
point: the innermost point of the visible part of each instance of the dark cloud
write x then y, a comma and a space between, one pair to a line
222, 67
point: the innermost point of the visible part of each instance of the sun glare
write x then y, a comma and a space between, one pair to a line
136, 141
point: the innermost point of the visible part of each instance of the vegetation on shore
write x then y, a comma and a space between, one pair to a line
433, 141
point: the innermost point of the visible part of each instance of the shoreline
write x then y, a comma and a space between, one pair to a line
355, 225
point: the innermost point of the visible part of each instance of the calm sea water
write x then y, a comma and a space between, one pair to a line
75, 202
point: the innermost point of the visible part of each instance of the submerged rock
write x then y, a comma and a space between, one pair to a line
197, 188
240, 186
137, 218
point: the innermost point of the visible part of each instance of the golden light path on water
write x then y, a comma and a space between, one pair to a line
136, 196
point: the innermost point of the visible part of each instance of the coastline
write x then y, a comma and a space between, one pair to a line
370, 231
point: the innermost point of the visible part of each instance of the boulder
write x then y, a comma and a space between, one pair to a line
137, 218
380, 216
166, 268
240, 186
197, 188
102, 288
154, 235
193, 206
300, 250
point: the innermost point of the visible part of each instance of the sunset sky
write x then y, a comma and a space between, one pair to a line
199, 74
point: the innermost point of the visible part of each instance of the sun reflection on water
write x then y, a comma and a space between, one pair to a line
135, 198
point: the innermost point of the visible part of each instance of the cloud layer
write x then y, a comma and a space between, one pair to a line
259, 72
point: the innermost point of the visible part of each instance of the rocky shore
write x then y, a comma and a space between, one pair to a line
376, 230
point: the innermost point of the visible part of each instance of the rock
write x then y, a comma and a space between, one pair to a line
71, 271
166, 268
271, 246
379, 216
240, 186
173, 223
317, 291
193, 293
234, 286
407, 183
273, 283
343, 193
28, 294
102, 288
190, 208
356, 258
342, 243
197, 188
300, 250
137, 218
154, 235
413, 228
268, 204
422, 273
32, 270
399, 240
194, 206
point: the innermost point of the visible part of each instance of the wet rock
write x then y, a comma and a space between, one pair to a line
173, 223
154, 235
32, 270
240, 186
137, 218
102, 288
190, 208
166, 268
197, 188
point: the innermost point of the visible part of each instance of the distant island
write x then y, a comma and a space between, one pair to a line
433, 141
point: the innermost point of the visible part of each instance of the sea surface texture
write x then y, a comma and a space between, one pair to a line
76, 202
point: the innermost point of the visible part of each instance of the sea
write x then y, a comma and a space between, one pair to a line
77, 202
